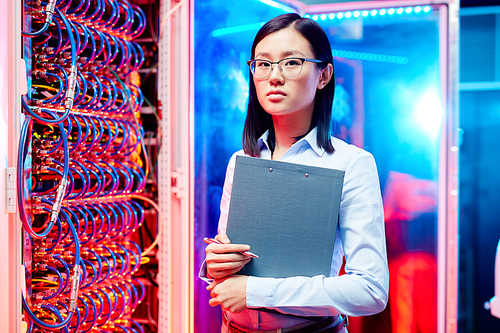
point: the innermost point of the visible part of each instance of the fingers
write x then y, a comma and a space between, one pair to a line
213, 295
225, 268
225, 259
219, 274
222, 237
227, 248
229, 293
213, 302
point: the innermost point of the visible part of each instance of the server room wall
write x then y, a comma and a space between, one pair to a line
85, 195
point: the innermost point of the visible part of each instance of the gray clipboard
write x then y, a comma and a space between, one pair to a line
287, 213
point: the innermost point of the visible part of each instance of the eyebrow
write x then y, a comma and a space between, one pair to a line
284, 54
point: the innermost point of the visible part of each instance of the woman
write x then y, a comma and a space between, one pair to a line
288, 119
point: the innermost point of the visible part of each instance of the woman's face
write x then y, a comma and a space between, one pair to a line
284, 96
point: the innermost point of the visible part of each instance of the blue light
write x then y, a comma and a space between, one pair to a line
428, 113
236, 29
270, 3
372, 12
370, 56
278, 5
307, 16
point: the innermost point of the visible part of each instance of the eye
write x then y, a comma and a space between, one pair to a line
292, 62
262, 63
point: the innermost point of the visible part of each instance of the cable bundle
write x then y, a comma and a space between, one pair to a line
86, 167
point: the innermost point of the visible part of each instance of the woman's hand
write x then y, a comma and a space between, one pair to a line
229, 293
224, 259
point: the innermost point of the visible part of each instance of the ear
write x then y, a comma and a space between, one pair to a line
325, 76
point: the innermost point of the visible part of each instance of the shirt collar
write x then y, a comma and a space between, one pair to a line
310, 138
262, 142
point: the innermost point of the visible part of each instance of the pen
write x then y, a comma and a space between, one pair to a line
215, 241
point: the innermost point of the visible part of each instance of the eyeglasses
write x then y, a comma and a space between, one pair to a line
289, 67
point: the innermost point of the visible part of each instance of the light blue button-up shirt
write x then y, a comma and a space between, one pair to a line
360, 236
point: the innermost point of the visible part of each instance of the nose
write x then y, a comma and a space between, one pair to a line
276, 76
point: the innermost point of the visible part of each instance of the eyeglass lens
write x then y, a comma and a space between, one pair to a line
288, 67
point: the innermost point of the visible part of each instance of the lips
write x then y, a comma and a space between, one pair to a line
276, 93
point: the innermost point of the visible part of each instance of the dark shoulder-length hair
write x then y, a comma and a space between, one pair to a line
258, 121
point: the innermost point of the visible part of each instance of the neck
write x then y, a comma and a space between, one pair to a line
286, 130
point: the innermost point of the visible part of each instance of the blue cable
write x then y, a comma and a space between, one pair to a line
132, 217
84, 217
114, 94
40, 323
114, 299
59, 288
92, 18
101, 215
92, 100
120, 311
121, 219
82, 90
108, 315
108, 270
87, 6
85, 181
113, 215
59, 93
139, 209
70, 34
101, 302
108, 141
80, 5
94, 317
25, 135
125, 138
77, 310
114, 180
99, 90
143, 289
43, 120
137, 325
59, 235
66, 270
139, 13
92, 222
94, 275
83, 318
112, 18
74, 234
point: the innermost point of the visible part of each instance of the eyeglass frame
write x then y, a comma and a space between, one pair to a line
249, 62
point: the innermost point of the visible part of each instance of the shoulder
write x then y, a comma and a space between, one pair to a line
231, 164
345, 150
346, 155
232, 160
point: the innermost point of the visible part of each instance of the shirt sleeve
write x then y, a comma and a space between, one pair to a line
364, 289
226, 195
